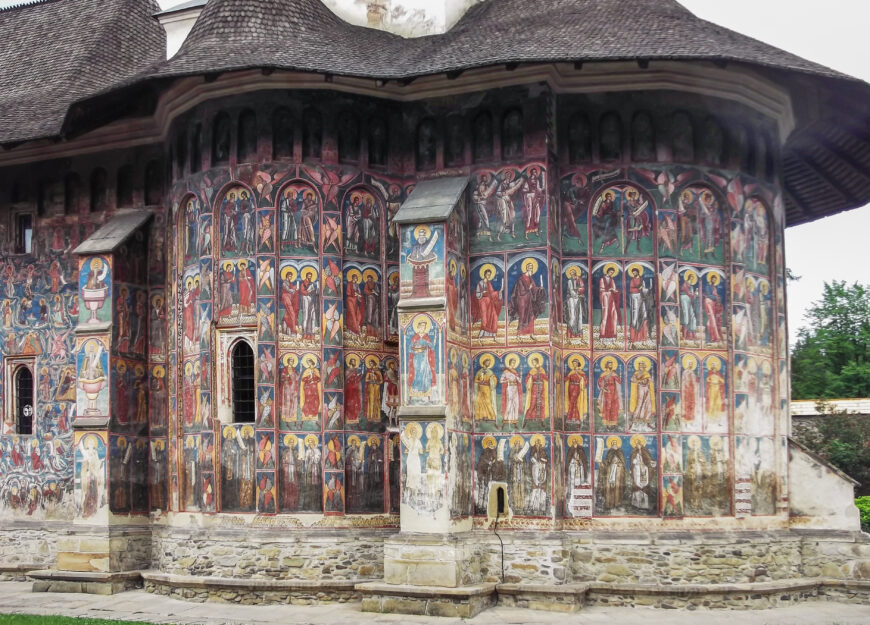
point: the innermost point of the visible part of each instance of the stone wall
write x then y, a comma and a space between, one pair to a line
26, 544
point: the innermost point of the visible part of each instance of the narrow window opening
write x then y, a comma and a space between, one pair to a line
244, 394
24, 227
24, 400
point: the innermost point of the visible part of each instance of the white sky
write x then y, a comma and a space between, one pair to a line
832, 33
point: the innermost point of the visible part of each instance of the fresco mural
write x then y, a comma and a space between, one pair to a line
422, 261
508, 208
423, 477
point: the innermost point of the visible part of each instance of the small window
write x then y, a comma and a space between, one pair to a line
24, 233
24, 400
244, 395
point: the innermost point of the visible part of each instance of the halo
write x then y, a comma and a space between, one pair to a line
715, 442
462, 270
139, 371
750, 283
229, 431
575, 438
610, 266
538, 355
188, 367
196, 280
158, 371
370, 273
691, 277
465, 359
243, 264
351, 273
511, 355
434, 431
694, 442
422, 320
608, 359
638, 440
353, 441
413, 430
247, 431
577, 358
487, 267
373, 361
228, 265
189, 442
643, 359
713, 363
765, 367
290, 360
453, 355
752, 365
488, 442
289, 273
352, 360
290, 440
122, 441
612, 439
452, 266
160, 445
484, 358
764, 287
374, 441
308, 358
188, 283
393, 277
96, 264
529, 261
573, 271
308, 271
539, 438
121, 367
424, 230
634, 266
310, 440
713, 278
516, 438
689, 362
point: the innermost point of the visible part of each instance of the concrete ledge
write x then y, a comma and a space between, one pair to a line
88, 582
548, 597
250, 591
17, 572
461, 602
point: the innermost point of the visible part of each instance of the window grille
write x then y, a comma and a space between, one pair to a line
244, 394
24, 400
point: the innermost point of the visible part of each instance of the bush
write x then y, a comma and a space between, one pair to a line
863, 504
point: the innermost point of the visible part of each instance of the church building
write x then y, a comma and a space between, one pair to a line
433, 305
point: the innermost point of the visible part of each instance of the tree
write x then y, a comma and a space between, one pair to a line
831, 357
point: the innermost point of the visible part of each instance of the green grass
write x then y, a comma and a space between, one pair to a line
26, 619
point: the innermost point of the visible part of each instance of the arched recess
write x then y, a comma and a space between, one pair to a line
99, 190
220, 139
610, 137
282, 133
247, 136
482, 137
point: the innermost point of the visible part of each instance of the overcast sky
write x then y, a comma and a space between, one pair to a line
833, 33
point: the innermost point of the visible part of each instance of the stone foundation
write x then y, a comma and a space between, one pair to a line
27, 546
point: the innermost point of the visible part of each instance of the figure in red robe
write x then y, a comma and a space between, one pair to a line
486, 305
290, 302
610, 396
528, 301
352, 393
610, 305
247, 289
353, 307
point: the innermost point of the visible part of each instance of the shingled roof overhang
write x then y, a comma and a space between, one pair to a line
826, 162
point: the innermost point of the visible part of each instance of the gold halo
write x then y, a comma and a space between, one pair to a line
539, 438
373, 361
453, 355
638, 440
229, 431
424, 230
121, 367
715, 442
713, 278
352, 360
351, 273
452, 266
243, 264
310, 440
573, 271
608, 359
750, 283
188, 284
611, 439
96, 264
189, 442
289, 273
764, 287
160, 445
307, 271
188, 367
465, 359
370, 273
139, 371
290, 360
529, 261
424, 320
122, 441
538, 355
414, 430
610, 266
158, 371
634, 266
577, 358
247, 431
374, 441
486, 360
290, 440
575, 438
689, 362
694, 442
307, 359
765, 367
196, 280
228, 265
434, 431
713, 363
393, 277
645, 360
488, 442
516, 438
691, 277
510, 356
487, 267
353, 441
462, 270
752, 365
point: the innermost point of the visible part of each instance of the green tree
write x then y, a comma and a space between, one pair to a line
831, 357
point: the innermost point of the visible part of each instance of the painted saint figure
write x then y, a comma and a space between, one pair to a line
537, 406
511, 391
575, 303
641, 403
611, 476
528, 300
484, 391
487, 304
609, 394
576, 392
421, 361
609, 297
422, 255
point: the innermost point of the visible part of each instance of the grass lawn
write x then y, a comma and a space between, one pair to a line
25, 619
